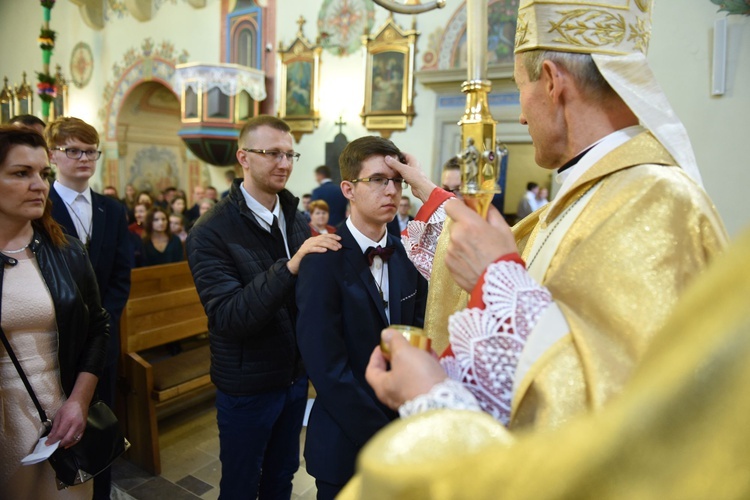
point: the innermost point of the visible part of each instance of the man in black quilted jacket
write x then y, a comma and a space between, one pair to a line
245, 255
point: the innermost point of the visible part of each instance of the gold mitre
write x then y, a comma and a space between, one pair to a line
616, 34
613, 27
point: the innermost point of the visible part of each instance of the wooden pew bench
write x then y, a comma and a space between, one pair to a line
165, 355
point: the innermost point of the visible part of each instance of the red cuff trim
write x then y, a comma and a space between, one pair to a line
475, 300
438, 196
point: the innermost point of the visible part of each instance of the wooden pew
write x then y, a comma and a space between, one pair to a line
163, 308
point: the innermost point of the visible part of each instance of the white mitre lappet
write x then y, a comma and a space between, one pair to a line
616, 33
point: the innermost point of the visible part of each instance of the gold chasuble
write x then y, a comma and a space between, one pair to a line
444, 296
678, 430
647, 231
616, 274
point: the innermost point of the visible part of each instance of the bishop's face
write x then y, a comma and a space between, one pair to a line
542, 115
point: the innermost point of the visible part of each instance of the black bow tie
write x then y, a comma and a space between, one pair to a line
383, 253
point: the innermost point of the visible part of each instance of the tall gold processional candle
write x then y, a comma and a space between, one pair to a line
479, 155
479, 160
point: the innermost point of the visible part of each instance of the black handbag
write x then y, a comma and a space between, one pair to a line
100, 445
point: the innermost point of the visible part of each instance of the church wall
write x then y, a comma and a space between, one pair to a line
343, 90
680, 54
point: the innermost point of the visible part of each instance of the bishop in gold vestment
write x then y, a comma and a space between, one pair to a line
630, 228
644, 234
678, 430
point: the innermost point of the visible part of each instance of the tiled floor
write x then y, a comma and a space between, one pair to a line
190, 463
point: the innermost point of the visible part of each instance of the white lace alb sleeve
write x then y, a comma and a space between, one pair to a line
447, 395
487, 343
421, 240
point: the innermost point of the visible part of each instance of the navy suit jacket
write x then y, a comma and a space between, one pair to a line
340, 319
330, 192
110, 253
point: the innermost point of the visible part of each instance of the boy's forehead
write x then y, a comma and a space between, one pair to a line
74, 141
375, 165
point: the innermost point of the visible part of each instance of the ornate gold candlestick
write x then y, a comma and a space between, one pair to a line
479, 155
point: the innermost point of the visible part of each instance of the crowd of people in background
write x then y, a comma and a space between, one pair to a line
534, 199
172, 203
160, 222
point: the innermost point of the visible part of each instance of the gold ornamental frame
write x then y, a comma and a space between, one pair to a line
389, 83
23, 98
59, 106
299, 77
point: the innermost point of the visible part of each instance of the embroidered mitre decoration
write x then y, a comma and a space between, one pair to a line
615, 27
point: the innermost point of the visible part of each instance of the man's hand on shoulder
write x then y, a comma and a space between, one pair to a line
316, 244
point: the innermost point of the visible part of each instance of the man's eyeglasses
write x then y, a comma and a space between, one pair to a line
382, 182
77, 154
275, 154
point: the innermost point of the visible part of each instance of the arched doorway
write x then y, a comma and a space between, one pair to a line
151, 154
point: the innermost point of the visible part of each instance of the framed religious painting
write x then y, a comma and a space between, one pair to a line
59, 105
389, 83
299, 77
6, 102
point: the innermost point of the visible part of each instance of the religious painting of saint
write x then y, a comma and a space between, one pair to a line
298, 87
299, 102
389, 84
502, 17
388, 81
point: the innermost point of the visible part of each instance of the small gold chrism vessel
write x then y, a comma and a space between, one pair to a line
414, 335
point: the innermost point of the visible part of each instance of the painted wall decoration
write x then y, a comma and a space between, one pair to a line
341, 23
734, 7
81, 64
154, 168
118, 9
447, 48
114, 9
149, 62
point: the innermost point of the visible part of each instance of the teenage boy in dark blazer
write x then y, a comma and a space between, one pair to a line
345, 299
99, 222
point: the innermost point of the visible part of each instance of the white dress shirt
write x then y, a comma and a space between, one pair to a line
80, 209
265, 216
379, 269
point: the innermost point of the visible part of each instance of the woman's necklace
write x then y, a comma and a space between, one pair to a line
13, 252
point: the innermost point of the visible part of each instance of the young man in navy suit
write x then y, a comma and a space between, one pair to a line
345, 299
101, 223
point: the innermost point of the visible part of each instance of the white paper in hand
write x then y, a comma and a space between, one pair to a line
41, 453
